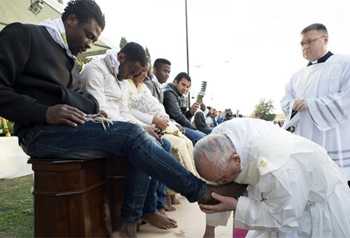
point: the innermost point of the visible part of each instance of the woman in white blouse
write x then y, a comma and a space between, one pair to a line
149, 110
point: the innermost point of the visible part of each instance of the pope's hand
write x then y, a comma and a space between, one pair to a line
226, 204
300, 105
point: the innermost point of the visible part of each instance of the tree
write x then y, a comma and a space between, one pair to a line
82, 61
147, 53
264, 110
6, 127
123, 42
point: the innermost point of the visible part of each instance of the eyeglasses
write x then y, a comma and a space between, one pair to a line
309, 42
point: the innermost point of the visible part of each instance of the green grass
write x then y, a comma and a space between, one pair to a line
16, 207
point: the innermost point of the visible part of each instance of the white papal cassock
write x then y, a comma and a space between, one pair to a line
295, 189
326, 88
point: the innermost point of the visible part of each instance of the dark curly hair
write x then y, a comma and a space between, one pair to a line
84, 10
134, 52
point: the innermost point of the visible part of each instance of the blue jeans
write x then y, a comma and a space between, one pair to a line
155, 198
161, 194
156, 194
146, 158
193, 135
207, 129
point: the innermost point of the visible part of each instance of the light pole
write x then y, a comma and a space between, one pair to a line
188, 61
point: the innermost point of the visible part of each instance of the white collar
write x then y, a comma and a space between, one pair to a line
58, 33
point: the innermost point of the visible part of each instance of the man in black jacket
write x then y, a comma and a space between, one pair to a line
200, 121
175, 105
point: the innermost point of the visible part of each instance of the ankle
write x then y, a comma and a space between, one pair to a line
127, 228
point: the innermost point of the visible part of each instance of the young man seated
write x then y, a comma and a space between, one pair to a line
175, 105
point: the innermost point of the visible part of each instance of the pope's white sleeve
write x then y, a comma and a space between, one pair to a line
280, 206
218, 219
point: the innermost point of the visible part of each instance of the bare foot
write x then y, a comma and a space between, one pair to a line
162, 211
230, 190
160, 221
125, 230
168, 206
174, 200
138, 225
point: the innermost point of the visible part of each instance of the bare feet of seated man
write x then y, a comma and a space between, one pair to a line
171, 200
174, 200
125, 230
162, 211
229, 190
168, 205
159, 220
128, 229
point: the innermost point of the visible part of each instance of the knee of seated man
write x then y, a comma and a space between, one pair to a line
166, 145
128, 128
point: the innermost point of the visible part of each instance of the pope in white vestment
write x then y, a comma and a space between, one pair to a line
295, 189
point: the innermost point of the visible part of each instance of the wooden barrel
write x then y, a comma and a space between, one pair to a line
116, 170
70, 198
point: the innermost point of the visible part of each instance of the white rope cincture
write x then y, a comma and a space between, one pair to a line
96, 118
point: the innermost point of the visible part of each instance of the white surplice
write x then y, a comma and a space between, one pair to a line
295, 189
326, 88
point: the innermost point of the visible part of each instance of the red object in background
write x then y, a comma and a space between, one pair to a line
239, 233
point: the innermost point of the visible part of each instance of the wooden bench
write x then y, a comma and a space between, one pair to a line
77, 198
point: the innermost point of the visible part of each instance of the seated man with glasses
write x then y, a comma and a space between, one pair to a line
316, 101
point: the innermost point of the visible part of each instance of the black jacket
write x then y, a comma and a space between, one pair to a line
175, 106
35, 73
199, 120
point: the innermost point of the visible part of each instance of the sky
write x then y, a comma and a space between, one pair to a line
245, 50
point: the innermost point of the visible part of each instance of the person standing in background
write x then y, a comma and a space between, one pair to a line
316, 100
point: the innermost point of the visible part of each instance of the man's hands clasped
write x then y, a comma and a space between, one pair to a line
154, 132
300, 105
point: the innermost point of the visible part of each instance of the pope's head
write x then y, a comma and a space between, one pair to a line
216, 159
